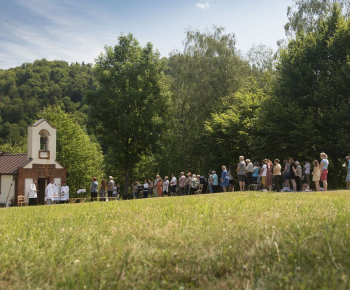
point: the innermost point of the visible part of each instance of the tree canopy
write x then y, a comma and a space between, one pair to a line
130, 106
308, 111
27, 89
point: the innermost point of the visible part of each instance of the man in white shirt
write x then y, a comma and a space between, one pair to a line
64, 193
33, 194
51, 192
173, 184
145, 189
307, 168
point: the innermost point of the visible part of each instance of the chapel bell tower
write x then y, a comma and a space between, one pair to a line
42, 142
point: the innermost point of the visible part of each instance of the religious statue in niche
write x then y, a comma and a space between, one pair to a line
44, 146
43, 142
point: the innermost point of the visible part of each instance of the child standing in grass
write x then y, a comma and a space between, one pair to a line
316, 174
255, 172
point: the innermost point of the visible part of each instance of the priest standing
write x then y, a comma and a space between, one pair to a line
33, 194
64, 193
50, 191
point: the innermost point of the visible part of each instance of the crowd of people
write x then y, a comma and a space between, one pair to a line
265, 175
106, 190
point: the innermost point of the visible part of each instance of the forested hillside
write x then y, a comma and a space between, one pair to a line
202, 106
27, 89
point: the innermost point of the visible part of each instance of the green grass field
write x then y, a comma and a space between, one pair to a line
233, 240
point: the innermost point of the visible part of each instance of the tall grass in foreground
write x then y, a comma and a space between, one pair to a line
233, 240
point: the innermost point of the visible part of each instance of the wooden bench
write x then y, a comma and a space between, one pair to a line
79, 199
83, 199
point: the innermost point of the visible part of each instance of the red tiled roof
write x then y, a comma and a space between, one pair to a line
9, 163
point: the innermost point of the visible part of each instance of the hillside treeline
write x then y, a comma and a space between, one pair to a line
27, 89
203, 106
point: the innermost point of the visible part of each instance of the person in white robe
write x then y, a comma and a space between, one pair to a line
33, 193
64, 193
51, 193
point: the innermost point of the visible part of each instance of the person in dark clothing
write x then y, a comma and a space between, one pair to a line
292, 173
204, 181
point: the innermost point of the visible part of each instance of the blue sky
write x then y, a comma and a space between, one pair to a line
78, 30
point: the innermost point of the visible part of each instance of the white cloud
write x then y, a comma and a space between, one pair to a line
66, 33
203, 5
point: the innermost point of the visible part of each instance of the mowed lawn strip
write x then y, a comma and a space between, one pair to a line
231, 240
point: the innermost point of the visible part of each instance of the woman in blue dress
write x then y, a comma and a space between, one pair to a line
224, 181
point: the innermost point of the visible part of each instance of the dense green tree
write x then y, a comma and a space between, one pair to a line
78, 152
306, 15
20, 147
308, 111
131, 103
27, 89
233, 132
207, 72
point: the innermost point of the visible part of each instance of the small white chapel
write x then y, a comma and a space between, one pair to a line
17, 171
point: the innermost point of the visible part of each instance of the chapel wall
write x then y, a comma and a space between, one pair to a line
6, 188
38, 171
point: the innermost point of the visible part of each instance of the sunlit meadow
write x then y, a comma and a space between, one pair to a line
235, 240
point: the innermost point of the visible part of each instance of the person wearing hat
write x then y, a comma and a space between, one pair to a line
110, 186
165, 185
347, 158
187, 183
182, 183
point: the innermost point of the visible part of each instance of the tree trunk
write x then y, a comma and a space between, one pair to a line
126, 185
